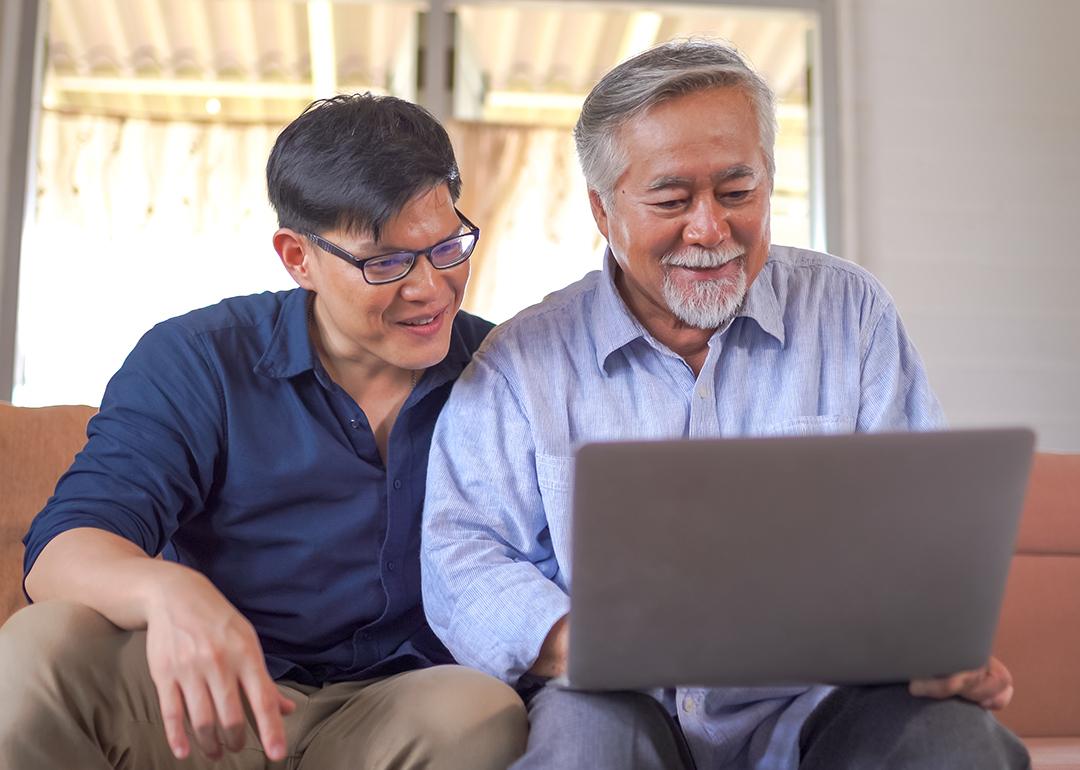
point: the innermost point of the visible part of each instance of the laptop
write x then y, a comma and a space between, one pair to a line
841, 559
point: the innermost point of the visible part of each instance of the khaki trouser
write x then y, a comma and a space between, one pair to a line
77, 694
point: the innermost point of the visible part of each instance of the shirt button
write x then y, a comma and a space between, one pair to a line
390, 566
703, 392
397, 483
366, 636
688, 705
355, 424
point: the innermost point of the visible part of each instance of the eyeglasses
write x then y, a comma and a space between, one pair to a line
387, 268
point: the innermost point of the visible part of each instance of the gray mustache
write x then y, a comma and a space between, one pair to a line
698, 257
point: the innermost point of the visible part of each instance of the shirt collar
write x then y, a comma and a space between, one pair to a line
762, 306
614, 326
457, 357
290, 351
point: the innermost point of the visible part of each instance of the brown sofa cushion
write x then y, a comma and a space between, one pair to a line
1039, 639
36, 447
1051, 521
1039, 633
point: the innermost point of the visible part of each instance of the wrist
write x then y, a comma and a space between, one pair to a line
163, 584
552, 658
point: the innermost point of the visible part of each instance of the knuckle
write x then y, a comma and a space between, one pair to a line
233, 726
213, 657
263, 700
171, 713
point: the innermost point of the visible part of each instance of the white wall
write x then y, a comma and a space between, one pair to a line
966, 171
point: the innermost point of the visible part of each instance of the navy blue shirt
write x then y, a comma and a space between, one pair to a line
223, 444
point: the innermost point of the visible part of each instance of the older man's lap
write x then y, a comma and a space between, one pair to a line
886, 728
574, 730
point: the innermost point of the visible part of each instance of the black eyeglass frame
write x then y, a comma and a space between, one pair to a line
359, 262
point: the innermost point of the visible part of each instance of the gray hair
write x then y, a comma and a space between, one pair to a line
664, 72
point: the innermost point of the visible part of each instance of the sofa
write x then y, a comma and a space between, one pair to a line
1038, 636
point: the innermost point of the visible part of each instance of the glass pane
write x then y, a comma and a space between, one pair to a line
157, 121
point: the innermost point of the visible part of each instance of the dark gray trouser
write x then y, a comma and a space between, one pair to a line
855, 728
885, 728
570, 730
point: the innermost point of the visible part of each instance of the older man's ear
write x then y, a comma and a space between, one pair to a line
596, 203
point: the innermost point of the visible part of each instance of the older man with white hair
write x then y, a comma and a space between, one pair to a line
695, 327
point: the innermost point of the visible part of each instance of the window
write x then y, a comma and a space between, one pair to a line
157, 118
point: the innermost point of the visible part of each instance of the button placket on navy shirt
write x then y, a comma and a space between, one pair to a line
401, 466
361, 437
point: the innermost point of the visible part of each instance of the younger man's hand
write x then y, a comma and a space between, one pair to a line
204, 656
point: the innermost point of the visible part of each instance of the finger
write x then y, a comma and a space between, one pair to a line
285, 706
172, 718
940, 687
265, 700
985, 687
230, 711
200, 709
999, 701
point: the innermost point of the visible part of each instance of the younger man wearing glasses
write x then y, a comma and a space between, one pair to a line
272, 449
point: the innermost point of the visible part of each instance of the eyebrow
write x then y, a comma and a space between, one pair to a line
387, 249
738, 171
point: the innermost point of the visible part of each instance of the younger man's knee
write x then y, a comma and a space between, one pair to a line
43, 648
46, 635
473, 720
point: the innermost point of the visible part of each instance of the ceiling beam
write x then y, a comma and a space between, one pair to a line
238, 89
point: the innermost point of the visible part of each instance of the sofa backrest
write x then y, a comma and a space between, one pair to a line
1038, 636
36, 447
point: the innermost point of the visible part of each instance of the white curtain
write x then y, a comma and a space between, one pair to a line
523, 186
136, 221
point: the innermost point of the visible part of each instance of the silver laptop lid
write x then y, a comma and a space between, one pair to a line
844, 559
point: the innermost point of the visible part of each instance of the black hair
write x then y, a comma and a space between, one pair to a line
353, 161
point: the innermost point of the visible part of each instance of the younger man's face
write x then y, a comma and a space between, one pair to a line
406, 323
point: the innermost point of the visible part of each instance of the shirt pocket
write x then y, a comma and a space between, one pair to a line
812, 425
554, 473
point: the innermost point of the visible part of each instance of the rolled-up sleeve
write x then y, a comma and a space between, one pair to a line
488, 567
148, 463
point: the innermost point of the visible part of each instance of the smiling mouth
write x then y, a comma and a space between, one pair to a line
712, 272
425, 324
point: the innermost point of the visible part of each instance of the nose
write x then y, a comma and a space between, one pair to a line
707, 225
423, 281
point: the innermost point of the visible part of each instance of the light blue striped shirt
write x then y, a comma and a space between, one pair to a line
816, 348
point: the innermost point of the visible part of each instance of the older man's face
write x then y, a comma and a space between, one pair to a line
688, 222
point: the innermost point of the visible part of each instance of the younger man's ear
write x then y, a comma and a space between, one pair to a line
293, 251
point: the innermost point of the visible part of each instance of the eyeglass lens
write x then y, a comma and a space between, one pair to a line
442, 255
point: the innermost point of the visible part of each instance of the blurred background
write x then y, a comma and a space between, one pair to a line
934, 143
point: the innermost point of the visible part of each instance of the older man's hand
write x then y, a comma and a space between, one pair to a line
551, 662
990, 686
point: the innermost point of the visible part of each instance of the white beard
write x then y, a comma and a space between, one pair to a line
704, 304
